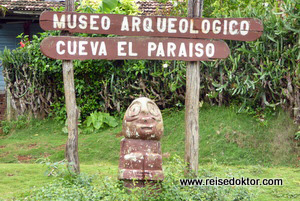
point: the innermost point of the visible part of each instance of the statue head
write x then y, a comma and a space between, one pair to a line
143, 120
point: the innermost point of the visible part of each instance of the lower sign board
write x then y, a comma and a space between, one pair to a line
118, 48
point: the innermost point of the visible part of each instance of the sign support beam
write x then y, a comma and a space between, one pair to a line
72, 111
192, 102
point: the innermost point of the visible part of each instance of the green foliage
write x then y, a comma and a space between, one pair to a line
82, 187
263, 73
98, 120
224, 8
6, 126
179, 8
108, 5
258, 74
55, 169
31, 77
297, 134
227, 137
20, 122
3, 10
126, 7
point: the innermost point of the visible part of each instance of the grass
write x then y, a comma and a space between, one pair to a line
17, 179
230, 142
228, 137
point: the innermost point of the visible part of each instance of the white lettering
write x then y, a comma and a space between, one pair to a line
244, 27
216, 29
81, 48
147, 25
58, 46
130, 51
205, 26
171, 25
161, 24
199, 49
93, 22
94, 47
61, 24
70, 47
105, 22
125, 26
82, 19
210, 50
225, 27
72, 26
191, 49
160, 50
182, 50
171, 47
233, 24
192, 31
151, 47
136, 21
183, 25
121, 48
102, 50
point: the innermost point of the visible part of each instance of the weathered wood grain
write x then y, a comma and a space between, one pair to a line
72, 111
192, 102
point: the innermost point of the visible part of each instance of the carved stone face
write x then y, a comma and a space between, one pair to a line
143, 120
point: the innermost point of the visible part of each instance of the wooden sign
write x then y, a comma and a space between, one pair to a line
82, 48
243, 29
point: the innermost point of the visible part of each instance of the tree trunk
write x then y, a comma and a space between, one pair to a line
192, 102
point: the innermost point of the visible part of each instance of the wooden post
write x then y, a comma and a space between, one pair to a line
192, 101
8, 105
72, 111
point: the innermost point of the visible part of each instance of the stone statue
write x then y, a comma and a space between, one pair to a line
140, 154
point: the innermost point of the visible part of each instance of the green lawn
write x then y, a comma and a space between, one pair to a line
230, 143
20, 178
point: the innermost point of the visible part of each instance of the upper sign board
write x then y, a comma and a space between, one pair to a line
243, 29
110, 48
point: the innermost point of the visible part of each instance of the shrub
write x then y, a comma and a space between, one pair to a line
263, 73
81, 187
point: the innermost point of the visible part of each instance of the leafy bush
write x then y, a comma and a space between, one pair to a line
297, 134
81, 187
30, 77
262, 73
98, 120
258, 74
20, 122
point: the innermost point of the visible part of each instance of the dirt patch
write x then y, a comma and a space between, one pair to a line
32, 146
2, 147
4, 154
166, 155
283, 144
235, 137
119, 134
45, 155
24, 158
61, 147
